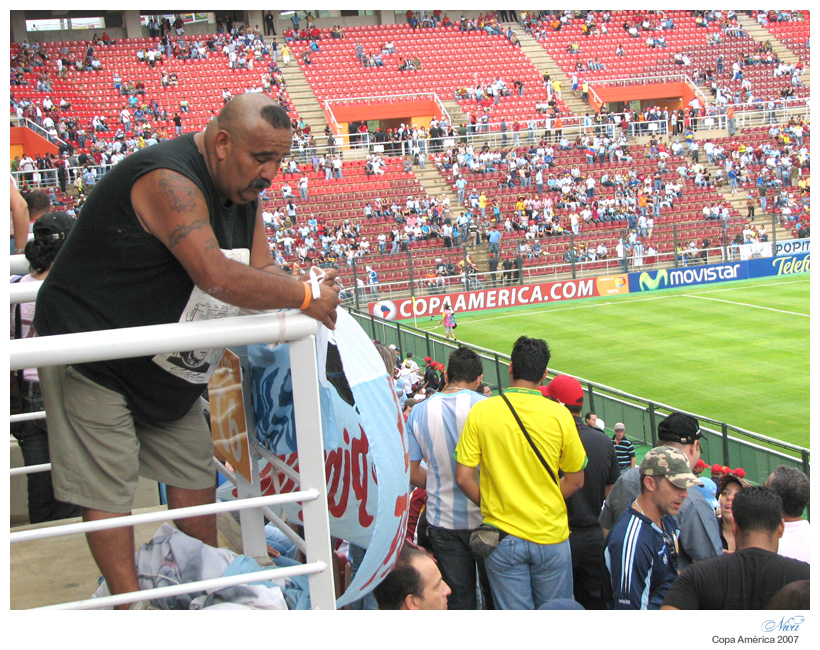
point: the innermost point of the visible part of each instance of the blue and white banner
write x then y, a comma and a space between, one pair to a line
366, 462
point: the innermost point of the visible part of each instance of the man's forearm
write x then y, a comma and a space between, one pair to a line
251, 288
466, 481
570, 483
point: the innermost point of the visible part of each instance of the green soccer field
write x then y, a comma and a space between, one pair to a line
737, 352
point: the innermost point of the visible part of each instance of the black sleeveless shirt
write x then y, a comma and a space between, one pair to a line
111, 273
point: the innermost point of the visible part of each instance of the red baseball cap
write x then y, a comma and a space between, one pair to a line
566, 390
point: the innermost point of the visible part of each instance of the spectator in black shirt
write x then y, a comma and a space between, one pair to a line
586, 537
751, 576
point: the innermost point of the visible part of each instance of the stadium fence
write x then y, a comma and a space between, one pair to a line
723, 443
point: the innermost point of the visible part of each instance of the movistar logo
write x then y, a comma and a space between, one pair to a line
648, 283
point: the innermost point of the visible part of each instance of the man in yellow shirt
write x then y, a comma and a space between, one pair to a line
518, 495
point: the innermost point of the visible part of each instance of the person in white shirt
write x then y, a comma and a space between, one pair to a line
793, 488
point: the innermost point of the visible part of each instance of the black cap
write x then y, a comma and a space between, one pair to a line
678, 427
54, 225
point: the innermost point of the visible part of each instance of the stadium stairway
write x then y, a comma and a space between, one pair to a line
436, 185
305, 102
542, 60
457, 115
759, 33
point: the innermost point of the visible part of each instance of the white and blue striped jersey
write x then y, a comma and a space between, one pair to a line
639, 562
434, 427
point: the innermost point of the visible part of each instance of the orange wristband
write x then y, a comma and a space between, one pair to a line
308, 297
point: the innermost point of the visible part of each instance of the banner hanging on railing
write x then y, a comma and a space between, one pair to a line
366, 463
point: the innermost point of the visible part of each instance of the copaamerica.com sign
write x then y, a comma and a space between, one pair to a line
466, 301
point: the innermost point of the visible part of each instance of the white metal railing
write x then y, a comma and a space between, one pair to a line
25, 122
284, 326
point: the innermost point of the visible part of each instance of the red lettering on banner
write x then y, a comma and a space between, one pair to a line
337, 473
286, 482
360, 447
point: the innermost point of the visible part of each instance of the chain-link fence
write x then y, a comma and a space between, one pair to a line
723, 443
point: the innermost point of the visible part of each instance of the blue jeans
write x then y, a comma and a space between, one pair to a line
458, 568
525, 575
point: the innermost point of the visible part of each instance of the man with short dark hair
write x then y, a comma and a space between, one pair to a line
586, 538
172, 233
642, 549
414, 582
38, 204
434, 428
591, 419
751, 576
793, 488
520, 492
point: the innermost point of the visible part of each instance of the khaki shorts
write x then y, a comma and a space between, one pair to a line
98, 450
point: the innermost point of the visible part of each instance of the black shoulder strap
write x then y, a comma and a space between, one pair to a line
529, 440
18, 330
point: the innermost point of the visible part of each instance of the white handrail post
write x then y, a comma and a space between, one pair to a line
252, 522
310, 443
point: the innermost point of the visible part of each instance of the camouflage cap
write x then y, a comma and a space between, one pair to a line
671, 463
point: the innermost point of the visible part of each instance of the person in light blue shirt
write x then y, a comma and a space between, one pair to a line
494, 236
434, 428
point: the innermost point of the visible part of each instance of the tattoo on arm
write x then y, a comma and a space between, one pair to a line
185, 229
180, 193
211, 244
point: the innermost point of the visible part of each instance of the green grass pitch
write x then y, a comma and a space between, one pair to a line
737, 352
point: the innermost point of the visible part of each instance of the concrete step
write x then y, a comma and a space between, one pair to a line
303, 98
543, 62
761, 34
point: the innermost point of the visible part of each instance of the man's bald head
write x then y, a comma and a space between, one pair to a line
243, 111
245, 144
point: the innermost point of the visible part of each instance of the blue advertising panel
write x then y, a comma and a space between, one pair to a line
781, 265
708, 274
686, 276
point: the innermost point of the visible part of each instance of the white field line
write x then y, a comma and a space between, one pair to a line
746, 304
600, 304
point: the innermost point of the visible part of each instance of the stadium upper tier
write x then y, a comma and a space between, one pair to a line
450, 59
638, 60
795, 35
200, 81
